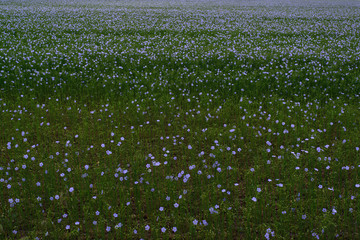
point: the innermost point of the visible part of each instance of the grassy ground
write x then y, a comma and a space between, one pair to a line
178, 120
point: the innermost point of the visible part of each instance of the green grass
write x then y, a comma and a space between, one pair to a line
123, 120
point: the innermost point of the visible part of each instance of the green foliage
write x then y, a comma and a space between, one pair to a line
157, 120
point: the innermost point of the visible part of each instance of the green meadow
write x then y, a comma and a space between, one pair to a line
179, 120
